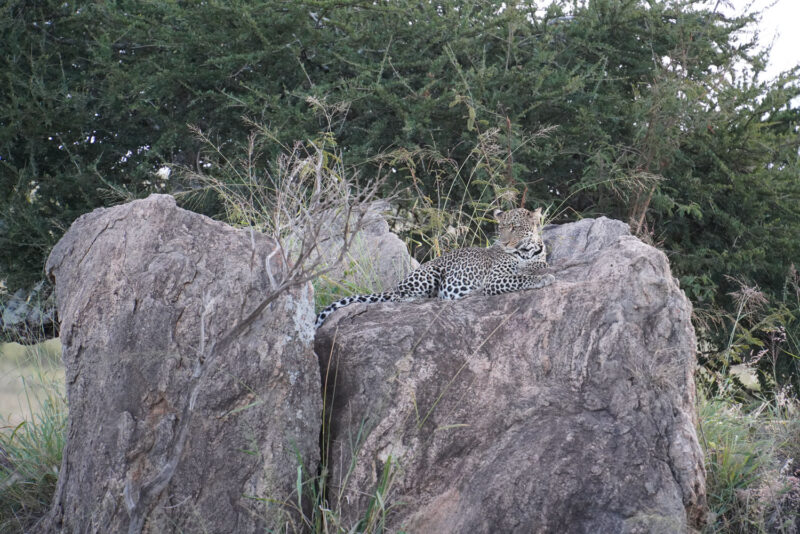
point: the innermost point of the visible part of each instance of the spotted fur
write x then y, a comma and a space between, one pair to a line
502, 268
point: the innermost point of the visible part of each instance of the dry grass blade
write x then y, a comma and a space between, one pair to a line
749, 299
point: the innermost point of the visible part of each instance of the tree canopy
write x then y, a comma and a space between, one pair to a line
657, 113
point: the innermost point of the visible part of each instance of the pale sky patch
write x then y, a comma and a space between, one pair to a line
779, 27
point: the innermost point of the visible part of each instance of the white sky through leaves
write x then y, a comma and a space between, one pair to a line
778, 26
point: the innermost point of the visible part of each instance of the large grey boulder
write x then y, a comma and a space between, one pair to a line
176, 423
564, 409
377, 259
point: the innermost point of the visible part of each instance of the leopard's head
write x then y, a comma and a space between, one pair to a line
519, 228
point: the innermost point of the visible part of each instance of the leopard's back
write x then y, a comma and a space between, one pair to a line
505, 266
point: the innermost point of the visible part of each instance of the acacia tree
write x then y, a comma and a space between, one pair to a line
660, 114
98, 96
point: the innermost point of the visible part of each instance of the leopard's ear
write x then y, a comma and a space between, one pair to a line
536, 216
497, 214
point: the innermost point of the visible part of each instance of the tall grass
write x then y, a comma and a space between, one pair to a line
316, 506
751, 453
358, 276
30, 451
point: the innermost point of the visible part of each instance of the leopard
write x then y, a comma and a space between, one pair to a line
509, 265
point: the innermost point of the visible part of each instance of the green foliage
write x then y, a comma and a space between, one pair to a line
761, 341
327, 291
97, 96
656, 112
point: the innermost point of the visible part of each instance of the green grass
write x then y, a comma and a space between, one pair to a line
327, 503
358, 276
315, 506
24, 372
30, 449
751, 455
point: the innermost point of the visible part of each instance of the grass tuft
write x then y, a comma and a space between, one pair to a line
752, 464
30, 455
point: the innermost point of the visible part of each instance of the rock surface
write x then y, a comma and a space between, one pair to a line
564, 409
377, 259
147, 294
